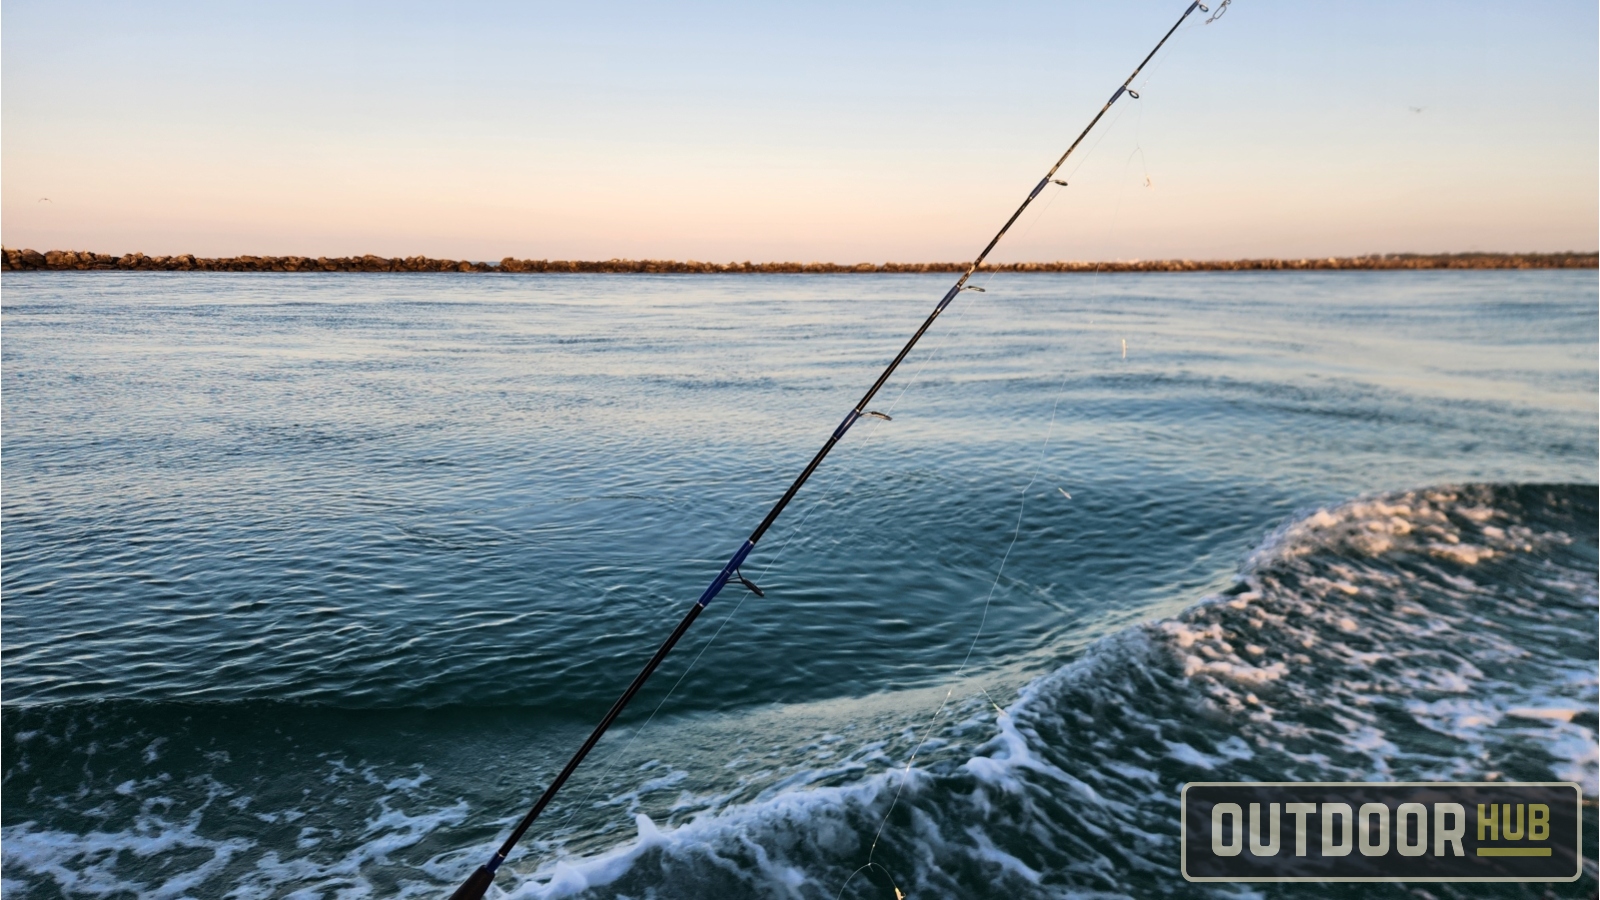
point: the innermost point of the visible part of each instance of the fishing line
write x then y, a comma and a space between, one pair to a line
825, 499
1028, 229
478, 882
992, 275
1033, 479
858, 476
928, 727
983, 619
1111, 127
828, 497
1089, 154
1138, 147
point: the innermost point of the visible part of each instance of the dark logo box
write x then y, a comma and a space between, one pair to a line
1400, 831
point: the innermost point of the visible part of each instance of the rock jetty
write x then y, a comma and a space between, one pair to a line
13, 260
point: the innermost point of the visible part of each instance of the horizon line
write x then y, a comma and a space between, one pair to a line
12, 260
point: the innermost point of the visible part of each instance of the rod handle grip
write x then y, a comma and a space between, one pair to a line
473, 888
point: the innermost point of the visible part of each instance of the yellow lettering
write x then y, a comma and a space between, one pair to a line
1488, 822
1538, 822
1506, 824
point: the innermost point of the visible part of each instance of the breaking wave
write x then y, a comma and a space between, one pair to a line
1446, 633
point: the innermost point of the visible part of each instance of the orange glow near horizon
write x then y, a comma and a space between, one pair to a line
1267, 137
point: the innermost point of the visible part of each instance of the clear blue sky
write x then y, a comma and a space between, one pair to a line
801, 131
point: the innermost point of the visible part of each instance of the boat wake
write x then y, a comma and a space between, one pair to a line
1439, 634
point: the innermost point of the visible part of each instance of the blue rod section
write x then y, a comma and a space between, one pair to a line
721, 581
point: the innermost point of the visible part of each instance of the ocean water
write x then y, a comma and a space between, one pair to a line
310, 583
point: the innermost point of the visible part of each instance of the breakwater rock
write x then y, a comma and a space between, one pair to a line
63, 260
13, 260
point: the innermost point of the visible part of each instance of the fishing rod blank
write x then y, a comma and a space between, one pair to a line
475, 885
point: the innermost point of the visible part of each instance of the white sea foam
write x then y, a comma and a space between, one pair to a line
1343, 611
1224, 670
90, 864
819, 812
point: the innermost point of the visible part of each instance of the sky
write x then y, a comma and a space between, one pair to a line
803, 131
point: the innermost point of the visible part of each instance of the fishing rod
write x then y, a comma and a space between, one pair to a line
476, 884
